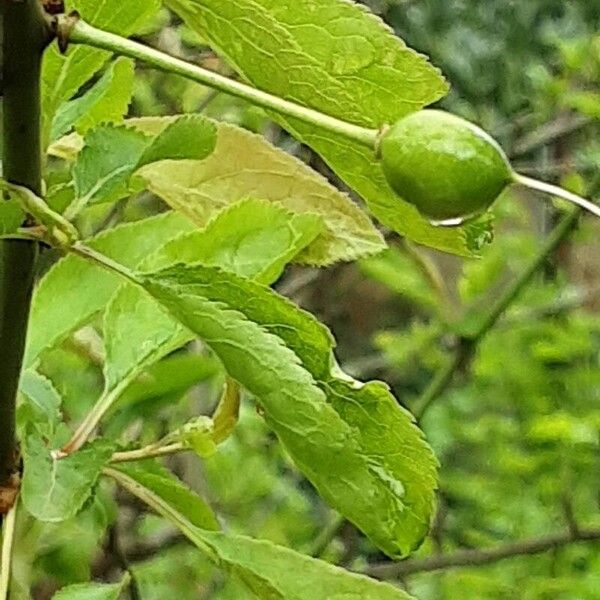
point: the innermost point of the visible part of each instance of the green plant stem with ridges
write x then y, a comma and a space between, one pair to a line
467, 343
78, 32
25, 34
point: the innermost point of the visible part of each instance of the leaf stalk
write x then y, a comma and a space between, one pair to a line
73, 30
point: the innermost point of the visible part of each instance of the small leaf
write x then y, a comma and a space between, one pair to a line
253, 238
112, 154
270, 572
74, 290
362, 451
163, 483
107, 101
93, 591
197, 434
55, 489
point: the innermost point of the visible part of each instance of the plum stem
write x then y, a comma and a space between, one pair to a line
554, 190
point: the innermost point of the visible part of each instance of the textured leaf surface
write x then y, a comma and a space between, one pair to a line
107, 101
74, 290
253, 238
334, 56
163, 483
271, 572
55, 490
245, 165
111, 155
353, 441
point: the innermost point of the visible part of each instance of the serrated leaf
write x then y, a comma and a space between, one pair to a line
253, 238
92, 591
187, 503
270, 572
55, 489
112, 154
74, 290
107, 101
246, 165
336, 57
64, 75
353, 441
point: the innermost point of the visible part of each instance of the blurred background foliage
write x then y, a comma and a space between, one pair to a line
516, 431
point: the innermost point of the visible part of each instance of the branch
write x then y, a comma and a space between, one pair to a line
25, 33
474, 558
467, 343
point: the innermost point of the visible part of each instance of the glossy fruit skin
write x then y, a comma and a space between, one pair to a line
446, 166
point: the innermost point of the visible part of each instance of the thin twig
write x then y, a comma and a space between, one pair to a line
477, 557
467, 343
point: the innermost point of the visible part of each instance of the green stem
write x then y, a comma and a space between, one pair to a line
8, 538
554, 190
109, 397
92, 419
103, 261
76, 31
468, 343
441, 380
161, 507
25, 34
151, 451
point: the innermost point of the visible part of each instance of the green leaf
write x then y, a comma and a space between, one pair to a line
42, 400
74, 290
92, 591
137, 334
353, 441
111, 155
252, 238
246, 165
56, 489
11, 217
107, 101
163, 483
336, 57
271, 572
64, 75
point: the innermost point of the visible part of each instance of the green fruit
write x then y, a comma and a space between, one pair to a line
447, 167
